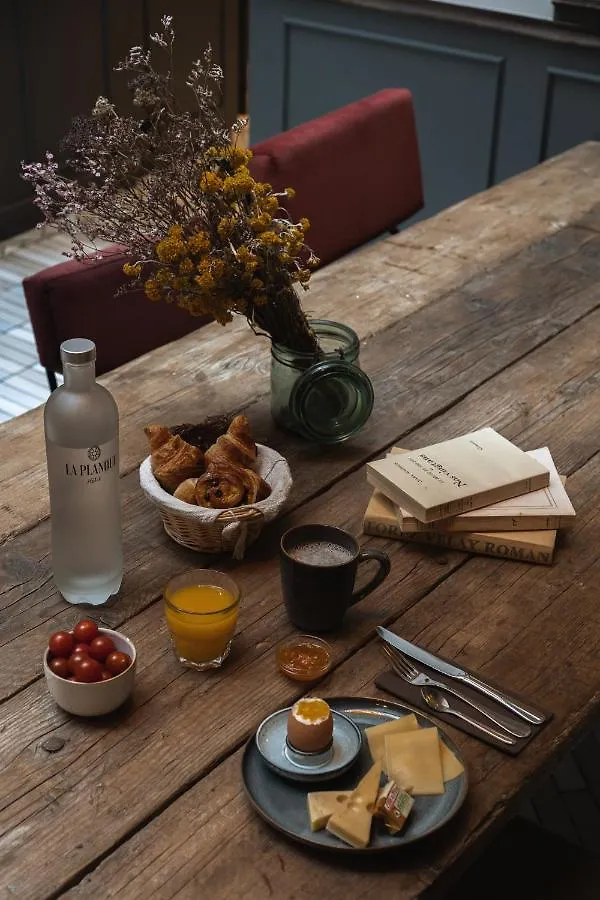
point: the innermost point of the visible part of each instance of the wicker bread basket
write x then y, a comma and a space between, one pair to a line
221, 530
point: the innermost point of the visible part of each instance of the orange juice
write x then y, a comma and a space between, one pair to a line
202, 620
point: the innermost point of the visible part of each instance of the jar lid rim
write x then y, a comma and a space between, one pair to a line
345, 426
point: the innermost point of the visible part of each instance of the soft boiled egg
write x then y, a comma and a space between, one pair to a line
310, 725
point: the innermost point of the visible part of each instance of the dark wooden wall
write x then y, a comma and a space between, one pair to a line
56, 58
494, 95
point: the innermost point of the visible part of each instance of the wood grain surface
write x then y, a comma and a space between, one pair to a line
486, 314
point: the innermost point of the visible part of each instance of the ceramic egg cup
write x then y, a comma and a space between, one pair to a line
98, 697
279, 755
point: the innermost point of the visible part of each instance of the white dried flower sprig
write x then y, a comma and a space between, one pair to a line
168, 187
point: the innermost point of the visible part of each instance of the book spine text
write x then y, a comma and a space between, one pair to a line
505, 548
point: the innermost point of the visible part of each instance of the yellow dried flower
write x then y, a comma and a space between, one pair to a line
211, 183
170, 249
217, 269
226, 227
240, 183
260, 222
205, 282
269, 239
271, 205
199, 243
151, 289
245, 255
133, 270
239, 157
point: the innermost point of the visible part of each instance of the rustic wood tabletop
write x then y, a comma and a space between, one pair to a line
488, 313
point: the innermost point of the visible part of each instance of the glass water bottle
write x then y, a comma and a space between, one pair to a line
81, 425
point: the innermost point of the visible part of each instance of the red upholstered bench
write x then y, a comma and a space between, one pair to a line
77, 299
356, 173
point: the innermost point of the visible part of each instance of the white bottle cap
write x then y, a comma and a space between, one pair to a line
78, 351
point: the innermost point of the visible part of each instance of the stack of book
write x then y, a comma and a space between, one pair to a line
478, 492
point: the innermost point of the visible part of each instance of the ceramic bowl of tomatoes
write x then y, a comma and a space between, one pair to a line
89, 670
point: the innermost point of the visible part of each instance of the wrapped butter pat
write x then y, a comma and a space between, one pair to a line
393, 805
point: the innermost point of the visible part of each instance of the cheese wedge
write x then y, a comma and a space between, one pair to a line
376, 734
352, 824
322, 805
451, 767
413, 760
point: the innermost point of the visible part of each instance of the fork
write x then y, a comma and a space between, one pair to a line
405, 669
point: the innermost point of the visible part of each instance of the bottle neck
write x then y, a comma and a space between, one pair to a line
79, 378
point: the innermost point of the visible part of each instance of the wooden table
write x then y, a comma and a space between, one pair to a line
488, 313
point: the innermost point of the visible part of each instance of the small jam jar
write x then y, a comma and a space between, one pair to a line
304, 657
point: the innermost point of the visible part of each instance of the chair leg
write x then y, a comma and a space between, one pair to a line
51, 376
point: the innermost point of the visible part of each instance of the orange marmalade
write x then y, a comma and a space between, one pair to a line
304, 658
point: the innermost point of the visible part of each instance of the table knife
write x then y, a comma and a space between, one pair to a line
440, 665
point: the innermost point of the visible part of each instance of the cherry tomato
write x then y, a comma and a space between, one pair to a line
81, 648
106, 675
60, 643
88, 670
85, 631
101, 646
75, 659
60, 666
116, 662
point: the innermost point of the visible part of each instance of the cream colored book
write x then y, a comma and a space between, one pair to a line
546, 509
452, 477
526, 546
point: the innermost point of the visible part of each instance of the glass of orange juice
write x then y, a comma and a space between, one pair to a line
201, 608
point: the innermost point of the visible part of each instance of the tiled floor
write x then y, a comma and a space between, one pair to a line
23, 382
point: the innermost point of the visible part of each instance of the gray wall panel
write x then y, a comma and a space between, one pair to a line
488, 103
572, 110
462, 81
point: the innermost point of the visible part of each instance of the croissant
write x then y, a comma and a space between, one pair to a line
175, 461
235, 446
187, 490
157, 436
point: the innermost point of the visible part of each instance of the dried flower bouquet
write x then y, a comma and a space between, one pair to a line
173, 190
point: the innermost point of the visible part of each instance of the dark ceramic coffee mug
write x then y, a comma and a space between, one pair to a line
318, 566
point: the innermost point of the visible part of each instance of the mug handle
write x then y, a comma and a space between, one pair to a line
383, 572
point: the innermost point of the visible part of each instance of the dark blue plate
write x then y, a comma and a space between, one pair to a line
283, 803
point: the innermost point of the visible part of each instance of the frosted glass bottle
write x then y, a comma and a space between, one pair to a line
81, 425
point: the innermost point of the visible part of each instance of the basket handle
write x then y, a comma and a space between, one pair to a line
240, 515
235, 533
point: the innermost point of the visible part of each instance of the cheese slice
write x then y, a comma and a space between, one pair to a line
352, 824
322, 805
376, 734
451, 767
413, 760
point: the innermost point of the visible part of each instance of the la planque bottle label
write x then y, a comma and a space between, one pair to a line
73, 468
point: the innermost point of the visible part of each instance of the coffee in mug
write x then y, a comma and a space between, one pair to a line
320, 553
318, 565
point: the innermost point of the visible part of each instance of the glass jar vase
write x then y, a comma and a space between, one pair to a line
326, 397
